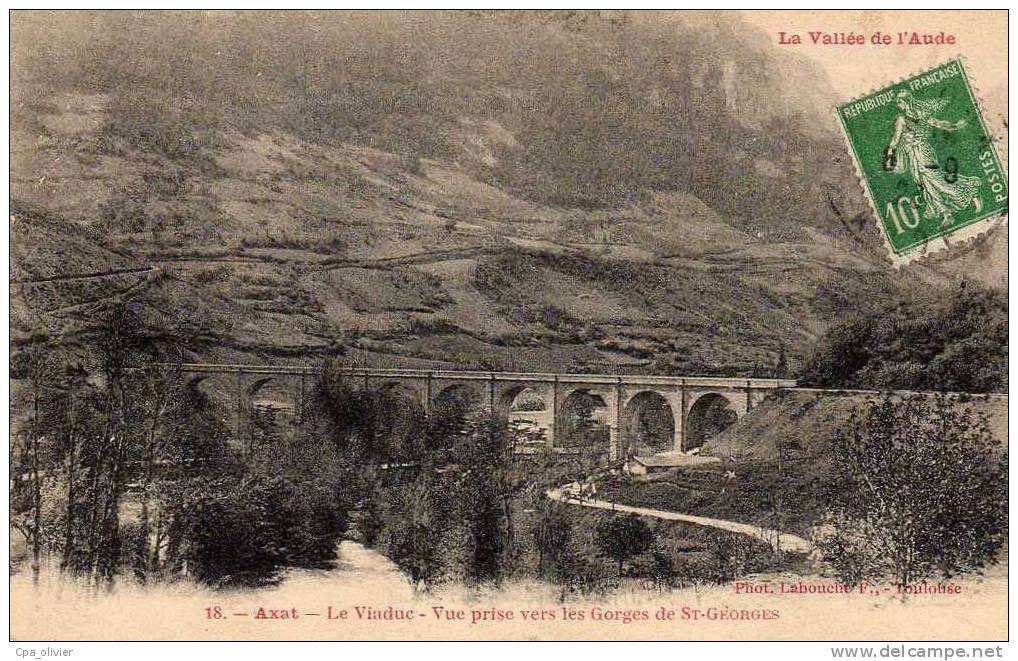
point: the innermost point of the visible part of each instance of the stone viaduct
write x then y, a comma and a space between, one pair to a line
620, 399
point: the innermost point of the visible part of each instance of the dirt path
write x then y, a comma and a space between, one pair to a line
328, 263
775, 538
85, 276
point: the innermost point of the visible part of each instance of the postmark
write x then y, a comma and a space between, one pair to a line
926, 161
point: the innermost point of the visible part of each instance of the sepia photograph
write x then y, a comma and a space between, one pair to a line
509, 325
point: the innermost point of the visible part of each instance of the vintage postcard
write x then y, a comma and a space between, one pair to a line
509, 325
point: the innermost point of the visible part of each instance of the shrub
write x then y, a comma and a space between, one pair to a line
143, 123
663, 570
123, 213
728, 558
241, 533
589, 575
219, 273
415, 550
623, 538
370, 523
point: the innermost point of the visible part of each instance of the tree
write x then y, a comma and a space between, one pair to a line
922, 490
624, 538
160, 392
781, 367
36, 444
955, 341
654, 425
552, 536
446, 423
586, 428
418, 522
88, 418
486, 489
366, 426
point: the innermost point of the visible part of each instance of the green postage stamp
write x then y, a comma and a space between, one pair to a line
926, 161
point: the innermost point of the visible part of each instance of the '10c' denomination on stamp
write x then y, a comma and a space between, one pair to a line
926, 161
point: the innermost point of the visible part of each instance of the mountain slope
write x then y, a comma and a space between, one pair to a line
523, 190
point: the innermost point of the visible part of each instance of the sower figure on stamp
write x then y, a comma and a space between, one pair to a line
944, 191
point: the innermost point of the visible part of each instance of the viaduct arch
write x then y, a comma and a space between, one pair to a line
655, 413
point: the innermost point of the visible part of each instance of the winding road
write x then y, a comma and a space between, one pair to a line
776, 538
